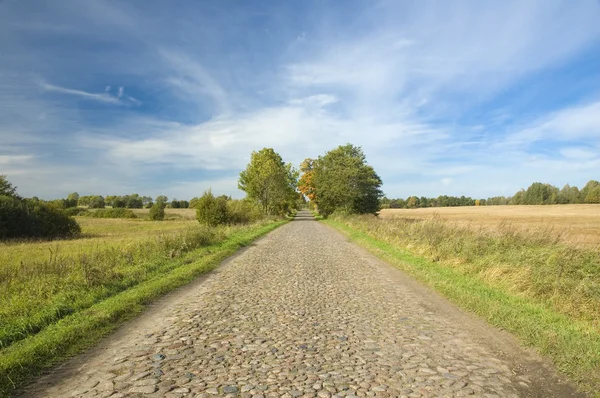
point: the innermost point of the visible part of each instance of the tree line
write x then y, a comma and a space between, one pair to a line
546, 194
536, 194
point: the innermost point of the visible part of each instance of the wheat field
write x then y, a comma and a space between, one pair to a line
575, 224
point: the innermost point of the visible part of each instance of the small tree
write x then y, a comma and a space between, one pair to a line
157, 211
162, 198
212, 211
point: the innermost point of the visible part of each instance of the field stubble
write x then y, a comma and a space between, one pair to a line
577, 225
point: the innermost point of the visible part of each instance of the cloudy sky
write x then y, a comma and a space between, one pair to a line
479, 98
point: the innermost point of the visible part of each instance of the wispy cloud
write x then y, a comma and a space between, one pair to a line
101, 97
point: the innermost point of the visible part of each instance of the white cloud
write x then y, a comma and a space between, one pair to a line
573, 123
102, 97
7, 160
579, 153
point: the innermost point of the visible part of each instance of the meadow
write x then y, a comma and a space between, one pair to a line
58, 297
531, 270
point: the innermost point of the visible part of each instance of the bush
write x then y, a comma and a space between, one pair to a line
243, 211
157, 211
75, 211
212, 211
111, 213
21, 218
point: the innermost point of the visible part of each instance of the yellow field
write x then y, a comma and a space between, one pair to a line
576, 224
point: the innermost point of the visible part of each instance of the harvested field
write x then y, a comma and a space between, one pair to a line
576, 224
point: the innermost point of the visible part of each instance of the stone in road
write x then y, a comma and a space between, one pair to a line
303, 313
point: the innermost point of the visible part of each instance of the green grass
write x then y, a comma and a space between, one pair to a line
570, 340
76, 316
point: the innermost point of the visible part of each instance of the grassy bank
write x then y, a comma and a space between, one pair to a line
548, 294
57, 306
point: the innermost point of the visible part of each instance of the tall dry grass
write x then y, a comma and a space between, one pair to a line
534, 264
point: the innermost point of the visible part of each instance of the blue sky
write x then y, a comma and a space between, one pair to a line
479, 98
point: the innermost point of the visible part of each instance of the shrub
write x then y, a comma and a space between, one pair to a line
21, 218
157, 211
111, 213
75, 211
211, 210
243, 211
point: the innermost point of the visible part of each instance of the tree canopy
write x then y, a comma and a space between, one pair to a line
342, 180
268, 181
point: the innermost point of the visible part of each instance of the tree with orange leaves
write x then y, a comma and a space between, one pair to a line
306, 184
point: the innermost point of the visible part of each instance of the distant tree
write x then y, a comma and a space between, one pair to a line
270, 182
119, 203
162, 198
147, 200
97, 202
412, 202
157, 211
588, 189
193, 203
593, 195
149, 205
174, 204
306, 183
71, 201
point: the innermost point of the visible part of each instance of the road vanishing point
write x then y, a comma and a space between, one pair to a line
303, 312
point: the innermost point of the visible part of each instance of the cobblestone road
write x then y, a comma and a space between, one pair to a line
303, 313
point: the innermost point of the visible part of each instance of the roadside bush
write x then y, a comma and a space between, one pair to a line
111, 213
21, 218
211, 210
157, 212
243, 211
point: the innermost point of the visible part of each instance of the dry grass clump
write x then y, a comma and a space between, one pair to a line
529, 263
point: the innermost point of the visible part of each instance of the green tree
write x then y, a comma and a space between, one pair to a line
97, 202
587, 190
345, 182
270, 182
162, 198
157, 211
593, 195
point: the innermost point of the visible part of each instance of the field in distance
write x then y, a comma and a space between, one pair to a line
576, 224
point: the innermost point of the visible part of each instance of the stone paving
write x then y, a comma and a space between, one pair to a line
302, 313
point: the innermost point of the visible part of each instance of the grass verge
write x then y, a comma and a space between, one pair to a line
572, 344
22, 360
